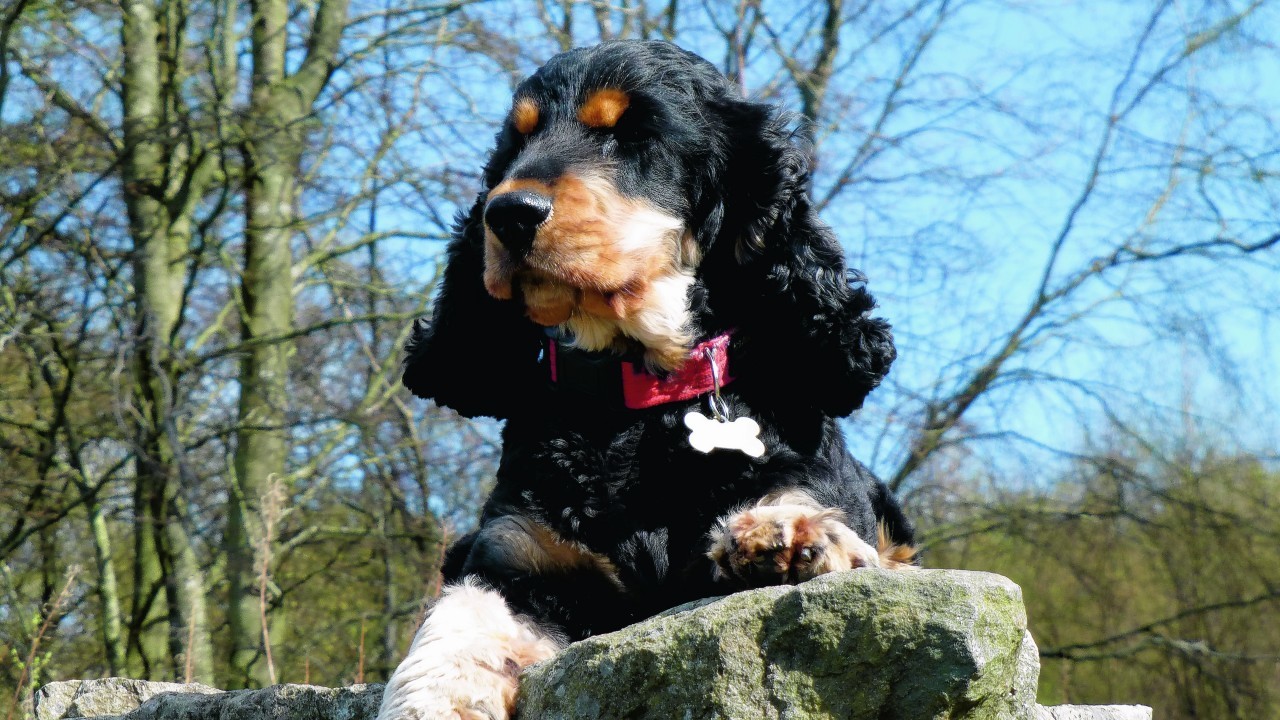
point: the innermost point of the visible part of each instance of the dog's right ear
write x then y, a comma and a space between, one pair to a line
477, 355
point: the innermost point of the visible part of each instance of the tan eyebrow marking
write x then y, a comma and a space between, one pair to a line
525, 116
603, 108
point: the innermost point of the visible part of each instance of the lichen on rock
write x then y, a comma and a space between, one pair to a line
862, 644
853, 645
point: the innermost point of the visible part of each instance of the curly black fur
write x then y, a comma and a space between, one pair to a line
625, 483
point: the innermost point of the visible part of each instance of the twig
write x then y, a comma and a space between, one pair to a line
271, 502
35, 642
360, 663
191, 641
437, 578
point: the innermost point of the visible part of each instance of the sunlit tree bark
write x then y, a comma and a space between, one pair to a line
274, 140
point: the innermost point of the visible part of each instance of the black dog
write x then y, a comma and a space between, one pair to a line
641, 287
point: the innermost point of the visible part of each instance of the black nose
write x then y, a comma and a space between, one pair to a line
515, 216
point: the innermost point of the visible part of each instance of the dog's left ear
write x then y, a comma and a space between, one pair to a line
477, 355
776, 272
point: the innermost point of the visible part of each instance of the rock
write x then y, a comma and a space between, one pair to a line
110, 696
139, 700
863, 644
54, 700
1093, 712
1027, 678
278, 702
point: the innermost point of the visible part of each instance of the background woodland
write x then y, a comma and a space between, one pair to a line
218, 218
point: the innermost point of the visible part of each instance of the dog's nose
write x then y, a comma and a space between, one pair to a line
515, 216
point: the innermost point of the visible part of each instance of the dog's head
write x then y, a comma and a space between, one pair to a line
636, 202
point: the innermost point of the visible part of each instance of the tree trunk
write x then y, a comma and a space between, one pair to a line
274, 141
160, 225
108, 590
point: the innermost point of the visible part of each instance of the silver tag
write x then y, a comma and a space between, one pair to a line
707, 434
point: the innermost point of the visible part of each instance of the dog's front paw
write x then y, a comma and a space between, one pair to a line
450, 687
785, 539
465, 661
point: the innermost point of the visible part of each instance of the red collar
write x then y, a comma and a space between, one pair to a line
605, 378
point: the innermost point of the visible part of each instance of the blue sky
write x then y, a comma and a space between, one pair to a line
955, 220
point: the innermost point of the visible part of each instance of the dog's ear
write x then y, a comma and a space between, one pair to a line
777, 273
477, 355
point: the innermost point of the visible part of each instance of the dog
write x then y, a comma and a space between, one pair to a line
646, 296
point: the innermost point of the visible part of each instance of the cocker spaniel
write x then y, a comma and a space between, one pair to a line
645, 294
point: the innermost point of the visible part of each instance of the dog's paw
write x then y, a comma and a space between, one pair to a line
786, 539
451, 688
465, 661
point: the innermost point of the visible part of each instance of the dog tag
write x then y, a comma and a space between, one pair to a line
707, 434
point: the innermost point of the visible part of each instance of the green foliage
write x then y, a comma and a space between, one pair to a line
1146, 580
32, 671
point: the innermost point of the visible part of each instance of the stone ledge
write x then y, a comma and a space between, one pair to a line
117, 698
138, 700
99, 698
864, 644
1093, 712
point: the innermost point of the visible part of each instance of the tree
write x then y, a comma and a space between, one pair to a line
1148, 572
86, 295
280, 105
218, 220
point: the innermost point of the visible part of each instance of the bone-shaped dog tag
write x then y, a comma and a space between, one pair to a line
707, 434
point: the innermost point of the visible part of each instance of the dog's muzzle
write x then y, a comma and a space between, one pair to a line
514, 218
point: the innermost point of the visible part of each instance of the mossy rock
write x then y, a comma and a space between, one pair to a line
863, 644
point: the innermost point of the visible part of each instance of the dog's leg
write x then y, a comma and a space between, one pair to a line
789, 538
466, 659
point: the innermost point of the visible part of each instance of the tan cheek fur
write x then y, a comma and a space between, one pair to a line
605, 266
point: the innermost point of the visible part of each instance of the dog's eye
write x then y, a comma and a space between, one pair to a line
631, 130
